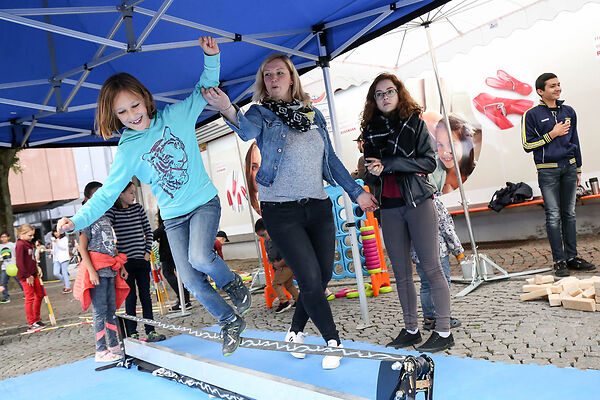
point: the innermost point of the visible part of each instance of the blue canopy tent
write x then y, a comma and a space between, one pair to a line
55, 58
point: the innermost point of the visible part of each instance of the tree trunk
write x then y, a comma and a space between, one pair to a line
8, 158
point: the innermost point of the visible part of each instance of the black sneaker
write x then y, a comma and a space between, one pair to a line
428, 324
176, 307
4, 301
230, 333
436, 343
155, 337
40, 323
579, 264
405, 339
283, 307
239, 294
561, 270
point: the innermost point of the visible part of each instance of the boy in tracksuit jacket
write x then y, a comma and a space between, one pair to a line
549, 130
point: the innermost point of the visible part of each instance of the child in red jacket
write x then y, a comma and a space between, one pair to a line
29, 275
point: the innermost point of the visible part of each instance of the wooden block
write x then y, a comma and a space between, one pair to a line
575, 292
537, 294
541, 279
570, 287
556, 289
532, 288
566, 280
530, 281
589, 293
597, 288
554, 300
585, 284
579, 304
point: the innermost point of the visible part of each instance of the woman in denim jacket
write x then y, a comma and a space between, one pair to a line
296, 157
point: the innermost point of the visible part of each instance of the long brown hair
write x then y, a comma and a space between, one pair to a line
107, 123
406, 105
260, 90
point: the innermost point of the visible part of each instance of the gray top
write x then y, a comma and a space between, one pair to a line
273, 253
101, 239
300, 173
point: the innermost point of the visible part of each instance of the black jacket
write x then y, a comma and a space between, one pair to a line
410, 172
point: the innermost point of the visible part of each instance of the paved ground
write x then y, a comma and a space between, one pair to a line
496, 326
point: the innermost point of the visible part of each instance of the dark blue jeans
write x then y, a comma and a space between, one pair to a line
4, 282
305, 236
139, 275
103, 300
559, 187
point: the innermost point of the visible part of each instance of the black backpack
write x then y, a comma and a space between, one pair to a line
513, 193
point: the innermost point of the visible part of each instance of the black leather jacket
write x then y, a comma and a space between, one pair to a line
411, 172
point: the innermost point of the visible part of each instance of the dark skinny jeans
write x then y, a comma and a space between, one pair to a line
139, 275
305, 235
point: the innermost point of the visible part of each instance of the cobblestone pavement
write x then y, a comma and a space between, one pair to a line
495, 325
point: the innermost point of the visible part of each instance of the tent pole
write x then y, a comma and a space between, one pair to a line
358, 271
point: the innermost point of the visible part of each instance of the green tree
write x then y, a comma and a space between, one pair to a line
9, 159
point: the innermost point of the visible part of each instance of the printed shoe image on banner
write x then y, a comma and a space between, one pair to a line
497, 108
507, 82
237, 195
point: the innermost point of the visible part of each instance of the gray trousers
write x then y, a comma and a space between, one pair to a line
401, 226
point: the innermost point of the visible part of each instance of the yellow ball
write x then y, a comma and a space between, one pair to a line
11, 269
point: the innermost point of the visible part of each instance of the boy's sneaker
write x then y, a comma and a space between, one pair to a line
579, 264
436, 343
135, 336
239, 294
106, 356
283, 307
561, 270
332, 362
116, 350
230, 333
405, 339
296, 338
4, 301
429, 324
155, 337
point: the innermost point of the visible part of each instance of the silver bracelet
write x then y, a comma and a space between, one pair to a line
230, 105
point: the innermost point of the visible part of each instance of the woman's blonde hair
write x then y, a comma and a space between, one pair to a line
260, 90
107, 122
25, 228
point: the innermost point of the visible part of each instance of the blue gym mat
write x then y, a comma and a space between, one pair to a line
455, 378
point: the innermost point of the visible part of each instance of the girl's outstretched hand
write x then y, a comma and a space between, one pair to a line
209, 45
64, 225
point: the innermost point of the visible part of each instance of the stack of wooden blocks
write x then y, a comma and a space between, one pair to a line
570, 292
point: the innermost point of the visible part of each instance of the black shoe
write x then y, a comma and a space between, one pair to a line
40, 323
155, 337
579, 264
428, 324
283, 306
230, 332
561, 270
455, 323
176, 307
436, 343
188, 305
239, 294
405, 339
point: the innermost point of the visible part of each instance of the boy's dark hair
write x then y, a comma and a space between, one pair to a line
89, 188
540, 82
259, 226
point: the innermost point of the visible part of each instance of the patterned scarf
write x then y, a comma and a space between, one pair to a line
387, 137
292, 114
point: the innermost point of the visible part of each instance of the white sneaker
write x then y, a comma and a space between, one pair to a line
297, 338
106, 356
332, 362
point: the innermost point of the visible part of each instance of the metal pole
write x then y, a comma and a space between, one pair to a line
358, 272
456, 166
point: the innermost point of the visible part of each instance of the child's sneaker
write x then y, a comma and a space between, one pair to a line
116, 350
34, 327
106, 356
66, 291
283, 307
135, 336
155, 337
239, 294
332, 362
4, 301
230, 333
296, 338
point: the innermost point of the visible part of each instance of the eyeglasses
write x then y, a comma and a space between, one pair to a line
388, 93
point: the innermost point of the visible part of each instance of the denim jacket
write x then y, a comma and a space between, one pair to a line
270, 133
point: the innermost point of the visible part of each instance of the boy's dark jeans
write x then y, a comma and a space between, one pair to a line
305, 235
139, 273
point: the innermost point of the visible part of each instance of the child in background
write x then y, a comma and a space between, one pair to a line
7, 252
160, 148
101, 273
134, 239
29, 275
449, 243
60, 257
283, 276
219, 241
